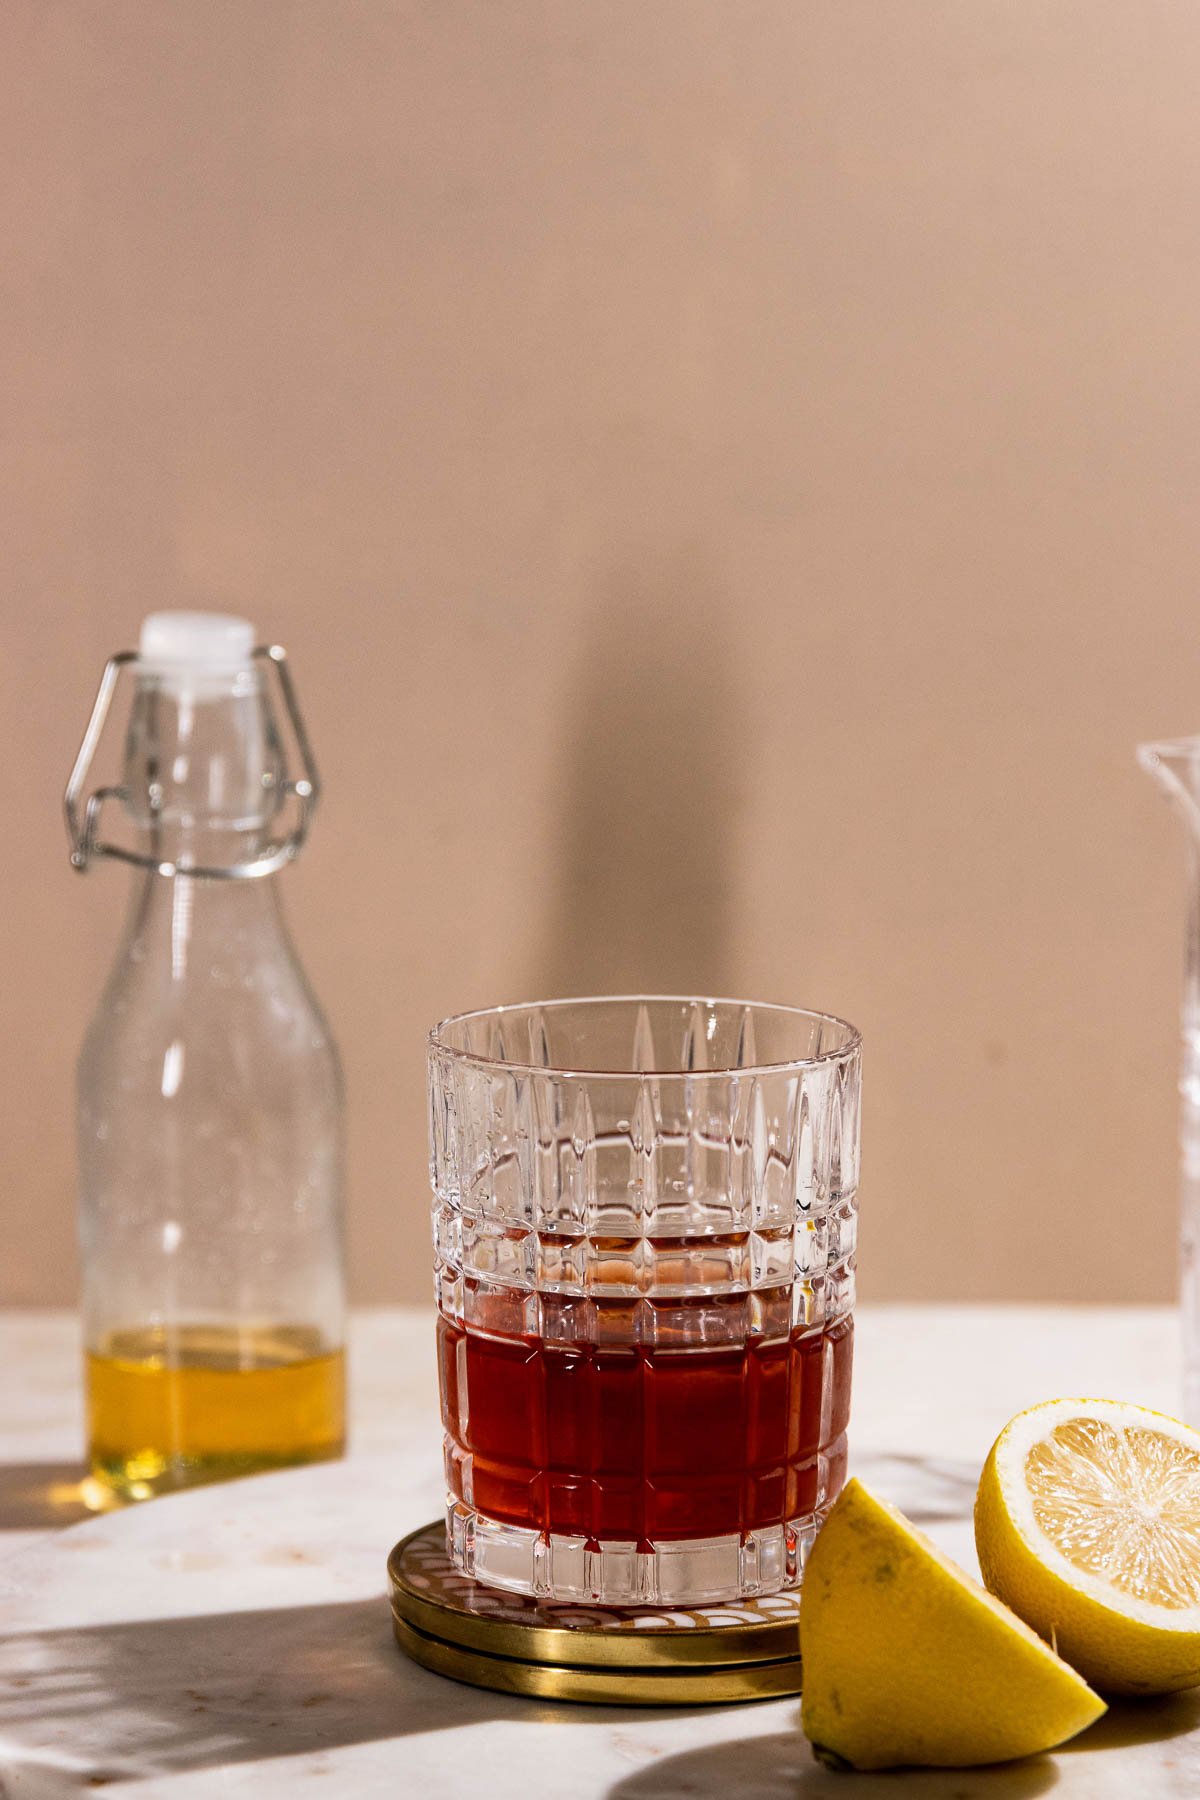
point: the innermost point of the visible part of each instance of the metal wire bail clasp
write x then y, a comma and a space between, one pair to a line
83, 829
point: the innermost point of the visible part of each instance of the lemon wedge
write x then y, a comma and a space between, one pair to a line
909, 1661
1087, 1523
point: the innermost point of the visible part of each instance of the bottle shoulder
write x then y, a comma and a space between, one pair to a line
260, 1028
207, 992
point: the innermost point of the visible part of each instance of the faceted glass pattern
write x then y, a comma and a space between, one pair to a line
644, 1232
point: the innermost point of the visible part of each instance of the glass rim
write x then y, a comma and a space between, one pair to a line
849, 1047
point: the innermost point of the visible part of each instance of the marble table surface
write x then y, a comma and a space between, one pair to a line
235, 1640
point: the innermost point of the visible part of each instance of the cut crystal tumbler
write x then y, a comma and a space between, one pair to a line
644, 1229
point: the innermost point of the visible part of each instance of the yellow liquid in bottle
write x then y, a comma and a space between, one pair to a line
172, 1409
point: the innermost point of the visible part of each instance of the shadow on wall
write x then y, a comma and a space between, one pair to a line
653, 773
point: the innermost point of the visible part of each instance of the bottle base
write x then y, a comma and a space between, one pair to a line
204, 1403
119, 1481
683, 1572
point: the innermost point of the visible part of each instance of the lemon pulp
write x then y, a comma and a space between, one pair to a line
1122, 1504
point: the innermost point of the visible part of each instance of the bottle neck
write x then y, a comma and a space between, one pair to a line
198, 926
203, 775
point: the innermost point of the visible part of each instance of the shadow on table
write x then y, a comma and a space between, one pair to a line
85, 1707
781, 1767
1139, 1722
33, 1495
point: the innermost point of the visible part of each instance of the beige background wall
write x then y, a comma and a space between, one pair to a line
728, 477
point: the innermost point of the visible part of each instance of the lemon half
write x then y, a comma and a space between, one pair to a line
909, 1661
1087, 1524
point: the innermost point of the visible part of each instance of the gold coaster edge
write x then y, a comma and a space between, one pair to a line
651, 1648
717, 1686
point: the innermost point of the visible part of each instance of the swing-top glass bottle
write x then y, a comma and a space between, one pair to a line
210, 1111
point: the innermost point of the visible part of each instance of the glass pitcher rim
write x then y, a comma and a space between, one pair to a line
1186, 744
844, 1051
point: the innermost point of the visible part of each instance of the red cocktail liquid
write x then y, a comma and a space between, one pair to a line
646, 1444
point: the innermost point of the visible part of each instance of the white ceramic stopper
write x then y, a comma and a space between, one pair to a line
188, 648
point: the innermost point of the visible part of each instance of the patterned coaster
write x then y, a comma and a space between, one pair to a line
431, 1595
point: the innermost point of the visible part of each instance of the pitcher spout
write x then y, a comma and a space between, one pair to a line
1175, 765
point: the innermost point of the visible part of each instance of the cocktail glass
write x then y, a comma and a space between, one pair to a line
644, 1226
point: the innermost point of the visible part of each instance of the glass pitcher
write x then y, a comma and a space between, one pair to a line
1175, 765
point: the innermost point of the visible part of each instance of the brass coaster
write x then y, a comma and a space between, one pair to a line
748, 1650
